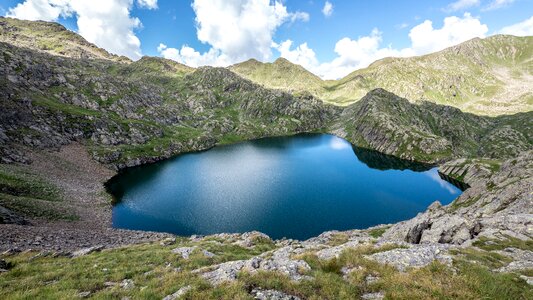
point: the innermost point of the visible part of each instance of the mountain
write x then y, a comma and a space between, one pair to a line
431, 132
490, 76
51, 38
129, 113
281, 74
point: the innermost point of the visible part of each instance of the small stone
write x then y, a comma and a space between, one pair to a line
373, 296
86, 251
371, 279
127, 284
84, 294
261, 294
168, 242
110, 284
179, 293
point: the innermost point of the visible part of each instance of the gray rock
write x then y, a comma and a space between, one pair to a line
261, 294
186, 252
335, 252
181, 292
86, 251
168, 241
415, 256
127, 284
522, 260
373, 296
278, 261
84, 294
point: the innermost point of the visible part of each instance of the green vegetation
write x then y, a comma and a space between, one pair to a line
507, 242
378, 232
156, 272
19, 182
30, 195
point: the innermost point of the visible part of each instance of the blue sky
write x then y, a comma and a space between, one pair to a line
331, 43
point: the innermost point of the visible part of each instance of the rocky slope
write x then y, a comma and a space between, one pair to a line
129, 116
51, 38
430, 132
490, 76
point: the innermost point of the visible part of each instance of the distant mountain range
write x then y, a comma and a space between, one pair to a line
490, 76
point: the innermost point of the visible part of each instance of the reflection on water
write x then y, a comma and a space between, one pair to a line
294, 187
377, 160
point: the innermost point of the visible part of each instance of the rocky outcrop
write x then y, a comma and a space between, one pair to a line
414, 256
495, 205
428, 132
9, 217
277, 261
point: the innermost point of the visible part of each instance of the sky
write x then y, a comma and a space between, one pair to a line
330, 38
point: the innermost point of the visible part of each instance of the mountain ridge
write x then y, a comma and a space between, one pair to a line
471, 76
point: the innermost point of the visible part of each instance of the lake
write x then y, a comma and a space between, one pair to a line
295, 187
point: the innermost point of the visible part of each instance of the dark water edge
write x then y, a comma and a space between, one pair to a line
296, 187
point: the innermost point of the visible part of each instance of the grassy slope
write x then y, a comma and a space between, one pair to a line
51, 38
156, 272
489, 76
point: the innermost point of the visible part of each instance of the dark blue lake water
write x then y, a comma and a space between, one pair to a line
295, 187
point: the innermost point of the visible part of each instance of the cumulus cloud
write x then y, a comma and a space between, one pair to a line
524, 28
236, 30
358, 53
327, 10
426, 39
351, 55
150, 4
188, 56
496, 4
302, 54
461, 5
106, 23
45, 10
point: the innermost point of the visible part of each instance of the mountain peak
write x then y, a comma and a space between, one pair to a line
283, 61
52, 38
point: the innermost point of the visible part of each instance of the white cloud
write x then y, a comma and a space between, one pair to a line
299, 16
496, 4
524, 28
236, 30
45, 10
106, 23
359, 53
150, 4
302, 55
401, 26
426, 39
327, 10
188, 56
351, 55
462, 4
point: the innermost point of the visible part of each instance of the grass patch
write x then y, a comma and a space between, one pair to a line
508, 242
35, 208
486, 258
15, 181
378, 232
